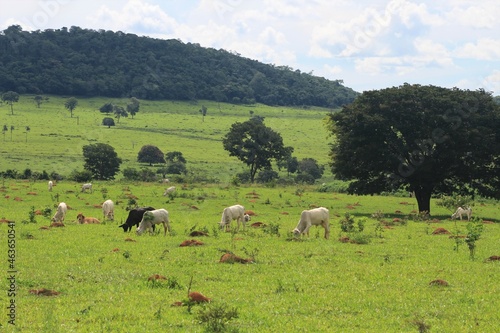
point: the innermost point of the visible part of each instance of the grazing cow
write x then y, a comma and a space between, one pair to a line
86, 187
462, 211
87, 220
165, 181
169, 190
50, 185
134, 218
308, 218
108, 210
236, 212
60, 214
246, 218
150, 218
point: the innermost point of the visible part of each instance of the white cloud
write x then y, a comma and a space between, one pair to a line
482, 49
136, 15
484, 16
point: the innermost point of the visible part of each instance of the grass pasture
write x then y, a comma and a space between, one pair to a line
55, 140
312, 285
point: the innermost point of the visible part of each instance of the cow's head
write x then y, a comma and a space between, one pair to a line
80, 218
296, 232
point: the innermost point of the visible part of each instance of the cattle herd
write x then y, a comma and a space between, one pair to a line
146, 218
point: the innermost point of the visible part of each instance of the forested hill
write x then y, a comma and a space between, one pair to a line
84, 62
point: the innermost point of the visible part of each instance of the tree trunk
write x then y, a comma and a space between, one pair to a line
423, 196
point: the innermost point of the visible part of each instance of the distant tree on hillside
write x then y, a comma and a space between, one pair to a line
101, 160
291, 164
5, 129
133, 106
10, 97
108, 122
39, 100
311, 167
71, 104
203, 112
255, 144
106, 108
176, 163
119, 112
150, 154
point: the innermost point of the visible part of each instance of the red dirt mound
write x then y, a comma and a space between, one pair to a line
284, 213
156, 277
4, 220
44, 292
230, 258
488, 222
440, 231
258, 225
38, 212
197, 297
493, 258
44, 227
194, 207
32, 193
398, 212
18, 199
129, 240
438, 282
115, 249
198, 233
344, 239
250, 212
97, 206
57, 224
191, 242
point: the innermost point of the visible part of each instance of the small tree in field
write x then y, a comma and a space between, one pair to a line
71, 104
101, 160
150, 154
108, 122
10, 97
133, 106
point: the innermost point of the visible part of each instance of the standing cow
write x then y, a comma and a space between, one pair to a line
236, 212
108, 210
134, 218
169, 190
308, 218
467, 211
60, 214
51, 184
150, 218
86, 187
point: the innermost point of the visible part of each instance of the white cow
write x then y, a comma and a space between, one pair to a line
153, 217
246, 218
316, 216
62, 208
169, 190
108, 210
236, 212
87, 186
462, 211
50, 185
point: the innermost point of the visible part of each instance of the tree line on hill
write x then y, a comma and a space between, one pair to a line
85, 62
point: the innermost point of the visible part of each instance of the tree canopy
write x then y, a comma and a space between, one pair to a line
150, 154
10, 97
71, 104
101, 160
427, 139
85, 62
255, 144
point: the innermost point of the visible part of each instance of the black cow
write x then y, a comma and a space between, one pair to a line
134, 218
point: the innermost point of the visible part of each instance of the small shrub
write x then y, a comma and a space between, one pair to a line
216, 317
474, 230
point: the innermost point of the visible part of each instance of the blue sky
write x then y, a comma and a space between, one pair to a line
367, 44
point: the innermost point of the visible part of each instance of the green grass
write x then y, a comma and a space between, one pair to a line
55, 141
313, 285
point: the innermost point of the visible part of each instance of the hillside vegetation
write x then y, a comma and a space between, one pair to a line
85, 62
55, 140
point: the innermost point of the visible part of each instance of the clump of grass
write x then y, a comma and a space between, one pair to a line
216, 317
272, 229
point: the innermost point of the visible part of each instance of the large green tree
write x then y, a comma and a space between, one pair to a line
10, 97
426, 139
255, 144
150, 154
101, 160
